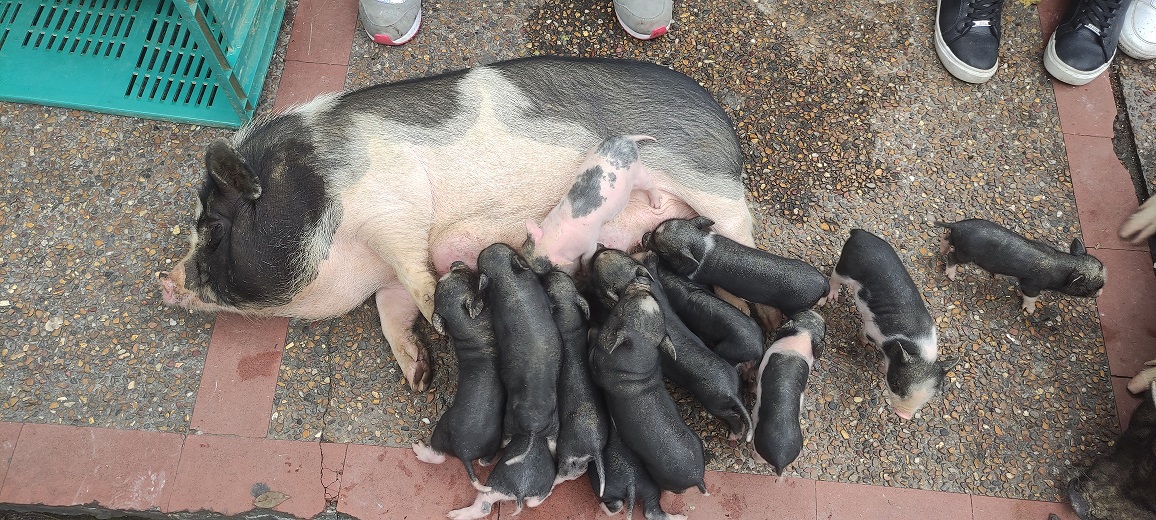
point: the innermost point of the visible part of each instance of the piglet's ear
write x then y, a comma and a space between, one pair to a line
687, 255
230, 171
618, 337
519, 264
474, 306
483, 285
1076, 279
438, 323
1077, 247
702, 223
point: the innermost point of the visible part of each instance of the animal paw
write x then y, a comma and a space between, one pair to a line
427, 454
418, 374
1144, 379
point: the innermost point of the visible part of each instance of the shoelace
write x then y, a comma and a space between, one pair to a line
1097, 15
981, 10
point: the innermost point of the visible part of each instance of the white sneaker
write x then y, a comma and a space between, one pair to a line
390, 22
1138, 36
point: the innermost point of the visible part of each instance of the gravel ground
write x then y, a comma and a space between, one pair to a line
847, 120
1138, 82
92, 207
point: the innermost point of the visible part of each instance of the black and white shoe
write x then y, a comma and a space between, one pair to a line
1084, 44
967, 37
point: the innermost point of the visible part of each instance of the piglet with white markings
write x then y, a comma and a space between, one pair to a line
625, 364
895, 319
471, 428
690, 248
778, 437
1035, 265
606, 179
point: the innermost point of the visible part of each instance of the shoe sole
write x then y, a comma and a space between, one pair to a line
1066, 73
654, 34
1134, 48
384, 39
956, 66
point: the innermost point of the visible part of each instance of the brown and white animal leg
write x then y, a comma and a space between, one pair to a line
1144, 379
398, 310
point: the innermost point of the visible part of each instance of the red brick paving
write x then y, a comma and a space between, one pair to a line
222, 471
993, 507
9, 433
56, 465
1127, 315
225, 474
859, 502
383, 482
1104, 192
236, 392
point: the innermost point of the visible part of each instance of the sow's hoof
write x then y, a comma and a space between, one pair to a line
418, 374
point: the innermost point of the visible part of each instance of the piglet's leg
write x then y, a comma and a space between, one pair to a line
427, 454
398, 311
481, 507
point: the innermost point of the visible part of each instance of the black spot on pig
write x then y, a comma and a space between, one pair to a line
619, 151
425, 102
679, 95
586, 194
250, 192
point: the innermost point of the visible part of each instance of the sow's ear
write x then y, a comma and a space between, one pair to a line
229, 170
1077, 247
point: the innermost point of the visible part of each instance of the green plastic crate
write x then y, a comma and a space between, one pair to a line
193, 61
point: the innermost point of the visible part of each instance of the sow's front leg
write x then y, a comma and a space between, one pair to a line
398, 310
405, 295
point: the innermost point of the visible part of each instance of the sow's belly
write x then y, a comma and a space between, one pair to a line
482, 188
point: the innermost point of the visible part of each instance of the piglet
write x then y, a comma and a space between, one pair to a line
471, 428
626, 482
895, 319
524, 474
728, 332
778, 437
1122, 483
691, 249
529, 344
625, 364
1035, 265
583, 422
606, 179
691, 365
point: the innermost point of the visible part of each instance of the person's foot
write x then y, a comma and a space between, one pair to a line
1084, 44
644, 19
1138, 36
390, 22
967, 36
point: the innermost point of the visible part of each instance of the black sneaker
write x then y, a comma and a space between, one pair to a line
1085, 42
967, 37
